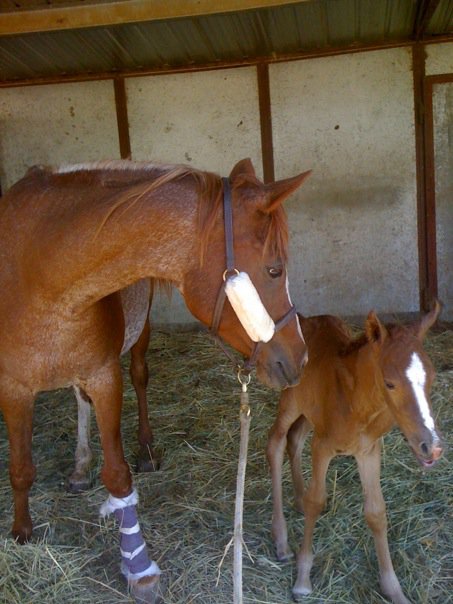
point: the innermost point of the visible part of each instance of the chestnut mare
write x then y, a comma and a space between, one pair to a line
71, 239
351, 393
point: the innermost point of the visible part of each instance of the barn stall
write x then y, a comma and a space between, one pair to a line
359, 92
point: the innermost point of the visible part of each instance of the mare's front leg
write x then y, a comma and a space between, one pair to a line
314, 501
105, 390
287, 414
147, 460
369, 465
79, 479
16, 403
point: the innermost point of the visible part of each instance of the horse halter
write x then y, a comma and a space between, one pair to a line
229, 272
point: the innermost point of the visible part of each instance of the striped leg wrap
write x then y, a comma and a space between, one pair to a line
135, 562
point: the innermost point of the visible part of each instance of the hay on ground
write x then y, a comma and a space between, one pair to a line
187, 507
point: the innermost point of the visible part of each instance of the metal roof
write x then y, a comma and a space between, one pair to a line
44, 40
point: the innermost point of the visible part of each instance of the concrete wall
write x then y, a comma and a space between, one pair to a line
350, 118
207, 119
61, 123
439, 60
353, 227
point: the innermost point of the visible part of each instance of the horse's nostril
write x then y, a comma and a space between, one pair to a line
424, 449
304, 360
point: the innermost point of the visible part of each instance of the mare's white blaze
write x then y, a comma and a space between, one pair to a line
299, 330
417, 377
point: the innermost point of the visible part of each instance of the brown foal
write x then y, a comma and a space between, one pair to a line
351, 393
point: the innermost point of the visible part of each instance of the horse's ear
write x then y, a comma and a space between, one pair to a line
375, 331
278, 191
426, 322
243, 167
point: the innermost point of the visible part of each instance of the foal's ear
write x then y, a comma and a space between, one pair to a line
375, 331
426, 322
243, 167
278, 191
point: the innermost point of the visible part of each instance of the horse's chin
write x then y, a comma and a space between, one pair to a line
427, 464
275, 379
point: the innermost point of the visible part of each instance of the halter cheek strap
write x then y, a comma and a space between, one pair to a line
242, 295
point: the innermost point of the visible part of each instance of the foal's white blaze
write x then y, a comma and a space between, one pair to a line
290, 303
417, 377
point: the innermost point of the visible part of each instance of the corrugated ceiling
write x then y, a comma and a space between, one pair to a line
269, 32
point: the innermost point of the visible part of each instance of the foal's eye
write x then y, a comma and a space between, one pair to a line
275, 271
389, 385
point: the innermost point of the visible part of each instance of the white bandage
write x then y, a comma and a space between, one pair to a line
116, 503
249, 309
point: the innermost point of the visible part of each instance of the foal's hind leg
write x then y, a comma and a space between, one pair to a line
297, 436
17, 407
146, 461
369, 465
314, 502
79, 479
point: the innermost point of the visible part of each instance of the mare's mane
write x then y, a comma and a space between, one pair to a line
141, 178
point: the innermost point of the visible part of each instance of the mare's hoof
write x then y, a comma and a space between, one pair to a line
22, 536
78, 485
148, 460
146, 590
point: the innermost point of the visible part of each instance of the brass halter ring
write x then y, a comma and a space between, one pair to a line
229, 270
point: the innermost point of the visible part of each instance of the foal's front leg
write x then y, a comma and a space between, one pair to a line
314, 502
369, 464
287, 414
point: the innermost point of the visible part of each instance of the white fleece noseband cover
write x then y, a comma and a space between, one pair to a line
248, 307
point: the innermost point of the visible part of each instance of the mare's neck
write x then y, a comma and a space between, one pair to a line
154, 237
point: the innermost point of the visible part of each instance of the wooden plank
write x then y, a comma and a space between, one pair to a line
122, 11
426, 203
425, 10
267, 145
122, 118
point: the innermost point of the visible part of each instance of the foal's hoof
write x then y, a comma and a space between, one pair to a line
299, 592
148, 460
146, 590
283, 554
78, 485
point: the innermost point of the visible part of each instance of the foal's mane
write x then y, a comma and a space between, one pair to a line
356, 344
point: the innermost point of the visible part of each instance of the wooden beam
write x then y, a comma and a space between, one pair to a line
425, 10
426, 203
21, 21
122, 118
267, 145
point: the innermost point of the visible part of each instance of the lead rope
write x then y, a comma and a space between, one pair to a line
245, 417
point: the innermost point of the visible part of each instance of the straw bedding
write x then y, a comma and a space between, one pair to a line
186, 507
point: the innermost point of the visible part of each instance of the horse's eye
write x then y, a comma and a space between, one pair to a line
389, 385
275, 271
